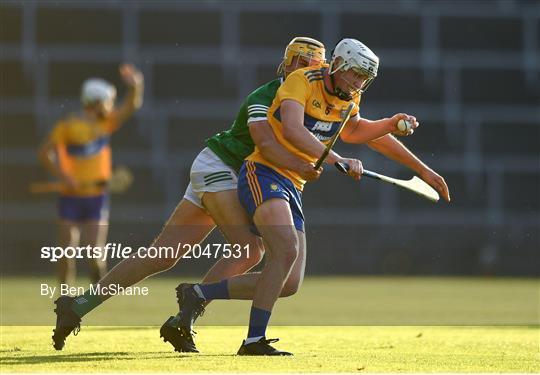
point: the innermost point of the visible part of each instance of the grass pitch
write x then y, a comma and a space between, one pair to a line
316, 349
333, 325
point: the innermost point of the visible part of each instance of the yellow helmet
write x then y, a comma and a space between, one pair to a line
302, 46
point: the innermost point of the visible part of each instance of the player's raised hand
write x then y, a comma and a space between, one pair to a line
405, 127
355, 167
130, 75
436, 181
308, 172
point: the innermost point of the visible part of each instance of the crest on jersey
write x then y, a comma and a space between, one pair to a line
343, 113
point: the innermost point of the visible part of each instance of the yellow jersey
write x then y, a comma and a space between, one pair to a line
84, 152
323, 112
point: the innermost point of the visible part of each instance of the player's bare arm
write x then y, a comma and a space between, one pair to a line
274, 152
393, 149
295, 132
134, 80
48, 157
361, 130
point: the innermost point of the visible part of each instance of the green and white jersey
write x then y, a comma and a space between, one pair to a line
234, 145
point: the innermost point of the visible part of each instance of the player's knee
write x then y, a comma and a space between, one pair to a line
286, 256
257, 254
290, 288
163, 264
250, 258
283, 243
288, 249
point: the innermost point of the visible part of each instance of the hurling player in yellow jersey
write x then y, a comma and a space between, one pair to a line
78, 152
304, 115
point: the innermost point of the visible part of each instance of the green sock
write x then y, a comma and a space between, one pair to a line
82, 305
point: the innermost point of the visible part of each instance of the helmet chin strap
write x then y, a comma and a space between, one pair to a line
342, 94
338, 91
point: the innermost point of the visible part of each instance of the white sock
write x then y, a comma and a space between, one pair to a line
199, 291
251, 340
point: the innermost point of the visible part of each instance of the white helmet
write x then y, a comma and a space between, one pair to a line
97, 90
355, 55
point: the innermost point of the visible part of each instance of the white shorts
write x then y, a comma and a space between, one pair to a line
209, 174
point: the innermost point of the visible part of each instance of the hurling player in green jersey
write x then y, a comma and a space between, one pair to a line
210, 200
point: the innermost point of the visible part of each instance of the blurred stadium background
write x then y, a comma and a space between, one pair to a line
469, 70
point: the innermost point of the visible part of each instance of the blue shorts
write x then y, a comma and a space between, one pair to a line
84, 208
258, 183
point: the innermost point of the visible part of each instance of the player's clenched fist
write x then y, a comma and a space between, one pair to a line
355, 167
404, 124
308, 172
131, 75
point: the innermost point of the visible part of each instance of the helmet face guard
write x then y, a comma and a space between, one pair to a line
352, 54
305, 47
357, 75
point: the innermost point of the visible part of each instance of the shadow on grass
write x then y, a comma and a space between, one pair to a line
99, 356
121, 328
78, 357
92, 327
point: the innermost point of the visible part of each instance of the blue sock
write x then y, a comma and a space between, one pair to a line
258, 321
217, 290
